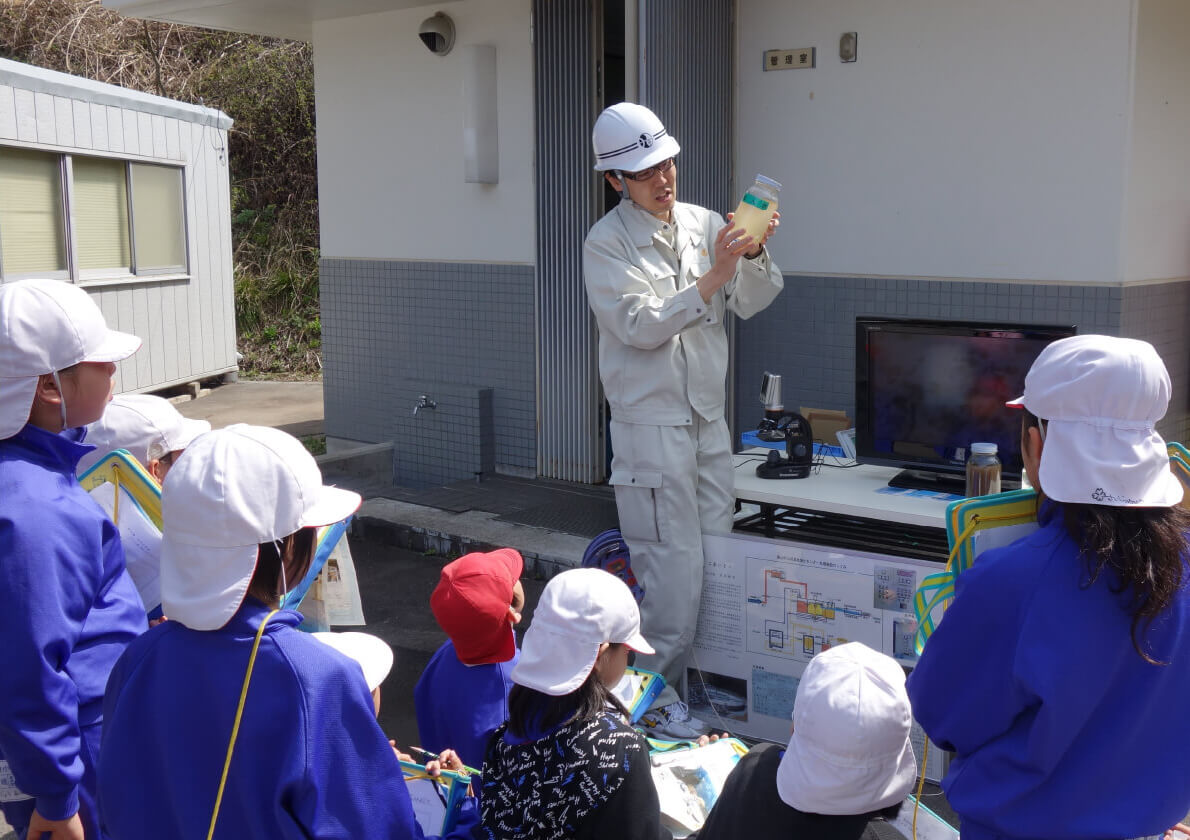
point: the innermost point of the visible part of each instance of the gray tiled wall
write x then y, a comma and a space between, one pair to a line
450, 441
1160, 314
393, 328
808, 334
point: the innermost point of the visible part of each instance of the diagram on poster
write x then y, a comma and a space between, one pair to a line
769, 606
798, 611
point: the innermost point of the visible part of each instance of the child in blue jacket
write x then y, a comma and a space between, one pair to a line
67, 604
227, 717
1060, 673
462, 695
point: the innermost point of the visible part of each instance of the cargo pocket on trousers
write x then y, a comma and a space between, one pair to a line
636, 501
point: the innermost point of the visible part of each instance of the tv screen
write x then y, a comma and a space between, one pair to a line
926, 390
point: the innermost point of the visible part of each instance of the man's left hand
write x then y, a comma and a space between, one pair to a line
774, 223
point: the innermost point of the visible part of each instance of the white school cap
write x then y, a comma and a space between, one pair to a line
1101, 397
47, 326
231, 490
372, 653
148, 427
578, 611
850, 751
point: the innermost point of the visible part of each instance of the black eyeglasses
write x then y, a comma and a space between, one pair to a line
646, 174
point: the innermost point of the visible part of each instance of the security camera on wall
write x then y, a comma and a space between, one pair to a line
437, 33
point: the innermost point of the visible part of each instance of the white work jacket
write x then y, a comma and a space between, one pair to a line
662, 350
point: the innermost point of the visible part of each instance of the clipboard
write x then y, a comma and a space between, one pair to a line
131, 497
637, 689
689, 779
119, 468
328, 538
437, 800
972, 526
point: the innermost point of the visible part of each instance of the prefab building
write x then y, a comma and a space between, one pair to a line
127, 195
1014, 162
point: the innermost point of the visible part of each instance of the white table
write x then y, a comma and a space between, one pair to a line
842, 506
846, 490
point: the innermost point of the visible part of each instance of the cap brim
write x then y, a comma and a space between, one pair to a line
373, 654
190, 429
202, 587
16, 401
1019, 402
333, 504
638, 644
116, 347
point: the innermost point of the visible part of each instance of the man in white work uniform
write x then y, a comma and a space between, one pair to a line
661, 277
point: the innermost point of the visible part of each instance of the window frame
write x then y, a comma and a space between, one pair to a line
116, 275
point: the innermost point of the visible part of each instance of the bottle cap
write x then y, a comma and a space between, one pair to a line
984, 448
768, 182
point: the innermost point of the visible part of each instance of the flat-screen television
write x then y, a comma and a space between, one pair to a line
926, 390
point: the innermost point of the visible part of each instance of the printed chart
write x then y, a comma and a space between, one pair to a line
770, 606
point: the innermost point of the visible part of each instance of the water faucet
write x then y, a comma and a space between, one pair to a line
423, 402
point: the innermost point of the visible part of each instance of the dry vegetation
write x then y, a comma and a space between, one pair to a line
265, 85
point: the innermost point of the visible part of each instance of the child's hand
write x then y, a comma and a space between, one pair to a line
400, 755
70, 828
1178, 832
447, 760
703, 740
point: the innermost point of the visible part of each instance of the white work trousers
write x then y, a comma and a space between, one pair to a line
672, 484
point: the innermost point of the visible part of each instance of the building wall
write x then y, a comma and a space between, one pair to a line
1157, 222
811, 343
1018, 162
970, 139
187, 323
388, 338
427, 281
390, 138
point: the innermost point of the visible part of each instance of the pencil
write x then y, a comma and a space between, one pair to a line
426, 755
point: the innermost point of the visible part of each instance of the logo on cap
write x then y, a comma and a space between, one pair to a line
1100, 495
646, 142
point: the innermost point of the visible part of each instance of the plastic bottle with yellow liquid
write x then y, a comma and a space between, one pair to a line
757, 207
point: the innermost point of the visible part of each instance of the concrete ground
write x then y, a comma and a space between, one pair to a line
294, 407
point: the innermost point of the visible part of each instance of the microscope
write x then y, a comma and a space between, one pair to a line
781, 425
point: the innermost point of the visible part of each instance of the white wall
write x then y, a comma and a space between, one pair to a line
390, 138
1157, 229
972, 138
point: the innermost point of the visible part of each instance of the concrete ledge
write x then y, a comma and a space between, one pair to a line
369, 462
427, 529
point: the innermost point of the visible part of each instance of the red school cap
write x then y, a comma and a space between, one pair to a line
471, 604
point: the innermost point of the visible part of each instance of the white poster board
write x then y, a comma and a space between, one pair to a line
770, 605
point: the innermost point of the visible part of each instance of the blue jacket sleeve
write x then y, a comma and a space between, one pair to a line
964, 689
52, 573
353, 784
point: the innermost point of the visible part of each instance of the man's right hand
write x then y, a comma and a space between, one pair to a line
70, 828
730, 244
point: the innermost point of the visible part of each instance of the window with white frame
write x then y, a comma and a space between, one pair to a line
84, 218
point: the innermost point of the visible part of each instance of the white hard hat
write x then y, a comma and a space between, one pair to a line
629, 137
